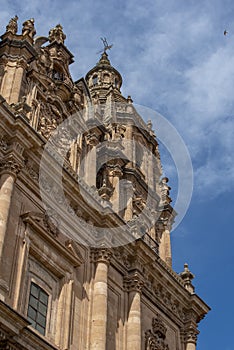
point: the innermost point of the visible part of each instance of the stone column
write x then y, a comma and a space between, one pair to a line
62, 337
133, 283
99, 310
115, 174
17, 82
9, 168
90, 167
191, 338
166, 237
190, 331
12, 80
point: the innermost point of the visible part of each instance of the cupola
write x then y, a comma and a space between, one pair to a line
103, 77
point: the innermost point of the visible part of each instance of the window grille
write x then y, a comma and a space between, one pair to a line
37, 308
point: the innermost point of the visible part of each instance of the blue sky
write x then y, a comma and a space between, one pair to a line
173, 58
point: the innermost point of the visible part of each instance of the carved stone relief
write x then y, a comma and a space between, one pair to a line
49, 119
155, 337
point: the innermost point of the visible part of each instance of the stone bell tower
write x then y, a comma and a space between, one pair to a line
85, 222
129, 159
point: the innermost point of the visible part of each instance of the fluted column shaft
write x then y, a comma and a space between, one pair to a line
191, 346
9, 168
133, 284
99, 310
6, 190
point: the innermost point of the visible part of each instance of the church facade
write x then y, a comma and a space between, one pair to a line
85, 215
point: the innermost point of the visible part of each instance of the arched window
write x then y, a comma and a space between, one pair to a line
106, 78
116, 82
37, 308
95, 80
57, 75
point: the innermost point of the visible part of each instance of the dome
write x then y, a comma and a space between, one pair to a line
103, 76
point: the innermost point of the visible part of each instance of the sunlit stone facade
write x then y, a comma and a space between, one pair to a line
87, 267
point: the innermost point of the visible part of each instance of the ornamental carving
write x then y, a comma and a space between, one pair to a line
56, 34
155, 337
21, 107
52, 221
12, 25
4, 145
101, 255
31, 169
49, 220
50, 118
133, 282
190, 335
10, 165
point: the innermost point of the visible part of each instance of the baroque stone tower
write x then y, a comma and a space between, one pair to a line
85, 215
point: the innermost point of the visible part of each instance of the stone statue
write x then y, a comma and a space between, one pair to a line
12, 25
56, 34
28, 28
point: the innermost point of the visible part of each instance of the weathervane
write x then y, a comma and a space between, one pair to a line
106, 45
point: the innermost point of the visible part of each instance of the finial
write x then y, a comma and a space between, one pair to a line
104, 60
187, 276
28, 28
129, 99
12, 25
106, 46
57, 34
149, 124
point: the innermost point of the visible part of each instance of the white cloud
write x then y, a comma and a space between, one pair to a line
173, 58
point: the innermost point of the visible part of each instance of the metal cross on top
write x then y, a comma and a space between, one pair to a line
106, 45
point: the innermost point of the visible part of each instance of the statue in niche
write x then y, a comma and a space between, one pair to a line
28, 28
12, 25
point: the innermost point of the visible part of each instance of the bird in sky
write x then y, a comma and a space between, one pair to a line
225, 32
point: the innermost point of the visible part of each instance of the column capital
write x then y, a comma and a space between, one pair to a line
133, 282
92, 139
101, 255
191, 335
10, 164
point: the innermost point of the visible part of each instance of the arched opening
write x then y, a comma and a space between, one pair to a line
106, 78
95, 80
57, 73
116, 83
